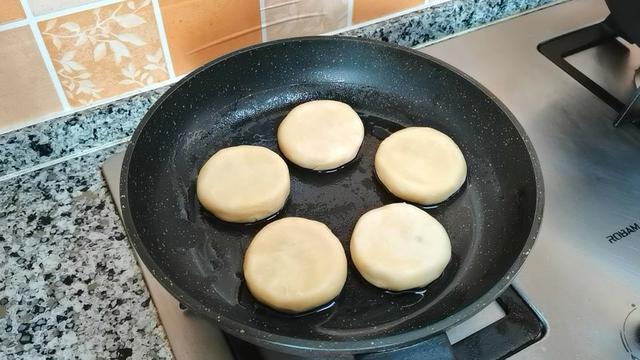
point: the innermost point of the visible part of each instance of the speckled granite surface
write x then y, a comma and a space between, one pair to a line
74, 133
69, 284
108, 124
444, 19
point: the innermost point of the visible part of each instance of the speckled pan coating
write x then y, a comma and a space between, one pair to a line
240, 99
72, 183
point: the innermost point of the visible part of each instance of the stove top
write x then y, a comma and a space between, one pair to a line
583, 274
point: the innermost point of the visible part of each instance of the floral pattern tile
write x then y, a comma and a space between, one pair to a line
105, 52
74, 194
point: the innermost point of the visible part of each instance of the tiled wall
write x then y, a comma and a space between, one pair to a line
64, 55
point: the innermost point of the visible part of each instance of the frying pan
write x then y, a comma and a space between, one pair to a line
239, 99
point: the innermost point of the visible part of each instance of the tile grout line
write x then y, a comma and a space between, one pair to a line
170, 81
263, 20
54, 14
435, 2
163, 38
426, 5
350, 12
44, 54
75, 9
67, 109
95, 104
14, 24
64, 159
32, 21
173, 78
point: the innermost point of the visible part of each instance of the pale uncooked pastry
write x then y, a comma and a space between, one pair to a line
399, 247
243, 183
421, 165
321, 134
295, 264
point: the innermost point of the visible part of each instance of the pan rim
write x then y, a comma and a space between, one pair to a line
297, 345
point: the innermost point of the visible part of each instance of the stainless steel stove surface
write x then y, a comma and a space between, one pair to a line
583, 274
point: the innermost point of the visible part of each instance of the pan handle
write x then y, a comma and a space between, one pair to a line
436, 347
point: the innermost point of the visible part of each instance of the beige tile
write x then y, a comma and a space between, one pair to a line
104, 52
26, 91
364, 10
289, 18
39, 7
10, 10
199, 31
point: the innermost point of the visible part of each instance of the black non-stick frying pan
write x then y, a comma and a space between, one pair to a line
240, 99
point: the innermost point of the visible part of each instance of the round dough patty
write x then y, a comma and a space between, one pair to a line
421, 165
399, 247
321, 134
243, 183
295, 264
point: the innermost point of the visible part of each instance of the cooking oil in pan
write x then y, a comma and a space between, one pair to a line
337, 198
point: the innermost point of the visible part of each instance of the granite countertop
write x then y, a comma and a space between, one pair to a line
69, 283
